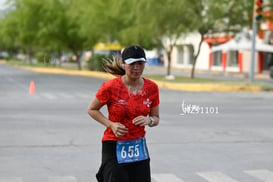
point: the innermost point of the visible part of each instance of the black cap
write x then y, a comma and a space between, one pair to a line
132, 54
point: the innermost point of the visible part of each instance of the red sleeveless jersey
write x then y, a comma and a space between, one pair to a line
123, 106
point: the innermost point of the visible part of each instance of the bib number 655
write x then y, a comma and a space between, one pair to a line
132, 150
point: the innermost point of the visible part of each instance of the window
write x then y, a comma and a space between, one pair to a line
185, 54
180, 55
191, 52
232, 59
216, 58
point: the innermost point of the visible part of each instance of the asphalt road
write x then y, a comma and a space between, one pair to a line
202, 136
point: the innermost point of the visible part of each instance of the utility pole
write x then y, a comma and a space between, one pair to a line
257, 16
253, 50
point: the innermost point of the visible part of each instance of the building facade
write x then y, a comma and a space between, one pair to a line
234, 60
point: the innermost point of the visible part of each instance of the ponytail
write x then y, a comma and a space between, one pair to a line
113, 66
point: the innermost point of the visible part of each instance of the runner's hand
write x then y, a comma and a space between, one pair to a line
141, 121
118, 129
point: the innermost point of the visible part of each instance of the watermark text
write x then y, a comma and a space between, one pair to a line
197, 109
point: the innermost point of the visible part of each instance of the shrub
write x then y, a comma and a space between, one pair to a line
42, 57
95, 62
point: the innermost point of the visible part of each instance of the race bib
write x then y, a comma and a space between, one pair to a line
132, 150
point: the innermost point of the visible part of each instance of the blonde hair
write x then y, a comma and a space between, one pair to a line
113, 66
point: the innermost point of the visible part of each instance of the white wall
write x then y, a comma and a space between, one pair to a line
193, 39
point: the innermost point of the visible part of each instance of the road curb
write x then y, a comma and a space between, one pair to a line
191, 87
209, 87
195, 87
96, 74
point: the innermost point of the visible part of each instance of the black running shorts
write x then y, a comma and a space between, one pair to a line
111, 171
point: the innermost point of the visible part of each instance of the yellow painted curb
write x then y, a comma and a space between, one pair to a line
96, 74
207, 87
2, 61
173, 86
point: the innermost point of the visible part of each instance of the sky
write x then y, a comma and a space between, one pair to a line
2, 4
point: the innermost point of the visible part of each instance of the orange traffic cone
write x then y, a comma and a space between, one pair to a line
32, 87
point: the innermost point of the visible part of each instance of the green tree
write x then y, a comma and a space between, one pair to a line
7, 35
113, 20
147, 23
169, 20
71, 35
211, 16
19, 29
60, 28
165, 22
57, 25
53, 25
135, 23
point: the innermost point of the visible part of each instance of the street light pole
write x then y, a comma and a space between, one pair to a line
253, 50
257, 16
253, 47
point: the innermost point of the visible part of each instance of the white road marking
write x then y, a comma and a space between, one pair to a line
166, 177
216, 176
262, 174
211, 176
